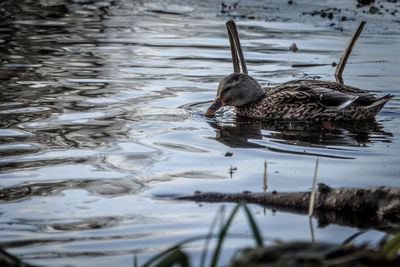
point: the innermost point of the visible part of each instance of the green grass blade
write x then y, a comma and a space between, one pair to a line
174, 257
352, 237
169, 250
253, 226
392, 246
222, 235
383, 241
135, 264
219, 214
222, 219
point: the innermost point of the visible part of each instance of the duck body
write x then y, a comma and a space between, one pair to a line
314, 100
300, 100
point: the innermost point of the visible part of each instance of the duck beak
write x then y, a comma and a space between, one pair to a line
214, 107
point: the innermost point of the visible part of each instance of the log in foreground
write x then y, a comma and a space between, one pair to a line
374, 207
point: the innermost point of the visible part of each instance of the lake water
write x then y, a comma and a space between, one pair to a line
101, 124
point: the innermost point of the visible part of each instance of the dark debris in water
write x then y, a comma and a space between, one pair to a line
294, 47
338, 18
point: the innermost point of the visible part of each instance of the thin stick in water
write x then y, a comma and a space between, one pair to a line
343, 60
311, 230
339, 79
312, 196
265, 176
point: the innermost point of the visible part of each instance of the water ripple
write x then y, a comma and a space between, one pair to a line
102, 108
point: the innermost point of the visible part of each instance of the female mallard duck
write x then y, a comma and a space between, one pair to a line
296, 100
311, 100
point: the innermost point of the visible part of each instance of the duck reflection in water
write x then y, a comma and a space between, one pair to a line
245, 133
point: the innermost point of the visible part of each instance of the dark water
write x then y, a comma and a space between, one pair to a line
101, 109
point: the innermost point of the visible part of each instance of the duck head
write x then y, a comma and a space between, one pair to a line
236, 89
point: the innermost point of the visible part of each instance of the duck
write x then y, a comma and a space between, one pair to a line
302, 100
297, 100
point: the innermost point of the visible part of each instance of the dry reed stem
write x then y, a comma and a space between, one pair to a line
312, 197
343, 60
232, 30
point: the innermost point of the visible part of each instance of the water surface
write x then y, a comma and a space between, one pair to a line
101, 121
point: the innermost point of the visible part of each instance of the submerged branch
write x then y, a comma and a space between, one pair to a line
371, 207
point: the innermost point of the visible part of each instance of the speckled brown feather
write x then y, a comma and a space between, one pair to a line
306, 100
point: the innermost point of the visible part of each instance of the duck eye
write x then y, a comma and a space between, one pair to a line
227, 99
223, 92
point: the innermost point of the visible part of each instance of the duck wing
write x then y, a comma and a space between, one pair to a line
332, 98
322, 93
316, 83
